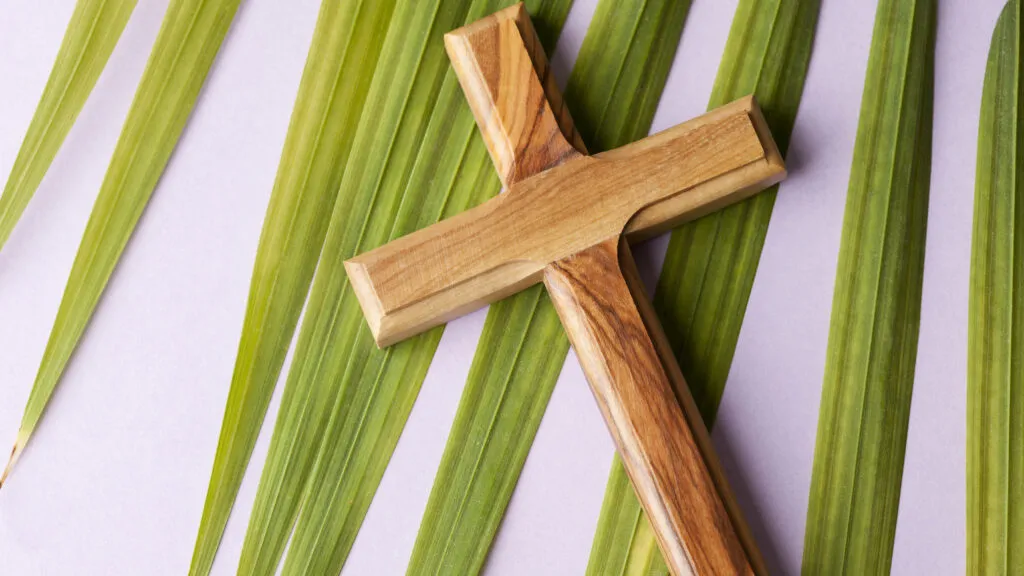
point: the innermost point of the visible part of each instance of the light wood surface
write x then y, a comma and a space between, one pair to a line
564, 220
502, 246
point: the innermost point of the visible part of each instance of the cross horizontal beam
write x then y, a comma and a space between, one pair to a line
502, 246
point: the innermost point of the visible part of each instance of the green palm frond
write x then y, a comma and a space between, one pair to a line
995, 535
340, 65
869, 370
189, 38
94, 29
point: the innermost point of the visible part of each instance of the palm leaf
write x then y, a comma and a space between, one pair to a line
709, 269
994, 532
93, 31
624, 543
612, 93
189, 39
415, 158
339, 68
869, 370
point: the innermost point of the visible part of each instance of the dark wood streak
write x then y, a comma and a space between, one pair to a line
502, 56
636, 395
547, 80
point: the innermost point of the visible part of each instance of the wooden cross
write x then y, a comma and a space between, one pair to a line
563, 221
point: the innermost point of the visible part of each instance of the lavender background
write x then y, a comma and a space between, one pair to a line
115, 480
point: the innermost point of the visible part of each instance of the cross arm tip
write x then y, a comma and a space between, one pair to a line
516, 12
362, 286
772, 155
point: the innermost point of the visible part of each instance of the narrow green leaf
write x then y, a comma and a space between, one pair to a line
93, 31
709, 269
340, 65
416, 157
710, 264
995, 488
869, 370
624, 541
189, 39
612, 93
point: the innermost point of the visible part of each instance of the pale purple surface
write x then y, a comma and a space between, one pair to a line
115, 480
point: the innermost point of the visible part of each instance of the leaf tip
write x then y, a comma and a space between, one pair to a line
19, 447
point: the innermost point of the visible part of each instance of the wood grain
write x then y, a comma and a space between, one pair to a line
635, 393
502, 246
505, 74
689, 407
